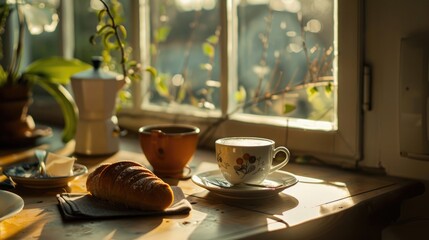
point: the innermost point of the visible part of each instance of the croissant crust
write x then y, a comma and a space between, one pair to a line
131, 184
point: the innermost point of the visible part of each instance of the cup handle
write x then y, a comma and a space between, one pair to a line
284, 162
157, 142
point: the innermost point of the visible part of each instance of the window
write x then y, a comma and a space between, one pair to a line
42, 42
294, 65
331, 132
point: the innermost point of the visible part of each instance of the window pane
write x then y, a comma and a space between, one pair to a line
185, 51
330, 115
42, 39
44, 45
286, 58
42, 42
85, 22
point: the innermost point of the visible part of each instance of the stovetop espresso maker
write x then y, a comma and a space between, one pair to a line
95, 93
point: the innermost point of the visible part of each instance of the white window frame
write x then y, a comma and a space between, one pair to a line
341, 146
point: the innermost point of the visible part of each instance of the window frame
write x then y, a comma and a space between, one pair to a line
341, 146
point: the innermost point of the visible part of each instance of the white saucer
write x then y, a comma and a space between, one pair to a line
27, 175
278, 181
10, 204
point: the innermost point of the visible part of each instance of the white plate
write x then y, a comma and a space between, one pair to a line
279, 180
10, 204
26, 175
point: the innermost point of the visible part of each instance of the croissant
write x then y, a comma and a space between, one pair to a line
131, 184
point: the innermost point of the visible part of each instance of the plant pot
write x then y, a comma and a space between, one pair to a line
17, 128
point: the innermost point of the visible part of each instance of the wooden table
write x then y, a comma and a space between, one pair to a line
326, 203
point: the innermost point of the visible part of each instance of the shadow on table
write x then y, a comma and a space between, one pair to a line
232, 218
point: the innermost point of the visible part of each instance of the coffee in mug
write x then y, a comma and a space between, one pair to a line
248, 159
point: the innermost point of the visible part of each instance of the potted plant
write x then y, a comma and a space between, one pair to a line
16, 83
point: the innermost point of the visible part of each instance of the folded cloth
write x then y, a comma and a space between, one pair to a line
86, 206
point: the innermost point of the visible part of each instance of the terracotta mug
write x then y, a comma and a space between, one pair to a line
169, 148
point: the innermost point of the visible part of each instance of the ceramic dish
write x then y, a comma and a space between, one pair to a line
271, 186
27, 175
10, 204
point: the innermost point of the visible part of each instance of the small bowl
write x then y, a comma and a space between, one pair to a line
168, 148
28, 175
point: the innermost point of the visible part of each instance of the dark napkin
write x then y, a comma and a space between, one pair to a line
85, 206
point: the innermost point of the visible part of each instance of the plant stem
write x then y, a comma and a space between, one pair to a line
194, 26
118, 39
265, 38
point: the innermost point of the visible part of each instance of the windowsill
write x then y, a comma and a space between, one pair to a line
360, 200
327, 202
305, 142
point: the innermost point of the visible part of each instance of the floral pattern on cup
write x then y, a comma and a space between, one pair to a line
221, 163
245, 165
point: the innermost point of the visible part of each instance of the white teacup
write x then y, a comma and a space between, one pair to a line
248, 159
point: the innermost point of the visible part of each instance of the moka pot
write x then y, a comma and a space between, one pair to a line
95, 93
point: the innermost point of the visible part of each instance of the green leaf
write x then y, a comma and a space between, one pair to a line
107, 58
102, 14
161, 34
103, 29
3, 75
123, 31
213, 39
240, 95
132, 63
208, 50
56, 69
124, 96
288, 108
108, 43
68, 108
161, 85
311, 91
152, 71
328, 88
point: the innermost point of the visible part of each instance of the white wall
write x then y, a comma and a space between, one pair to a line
386, 22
